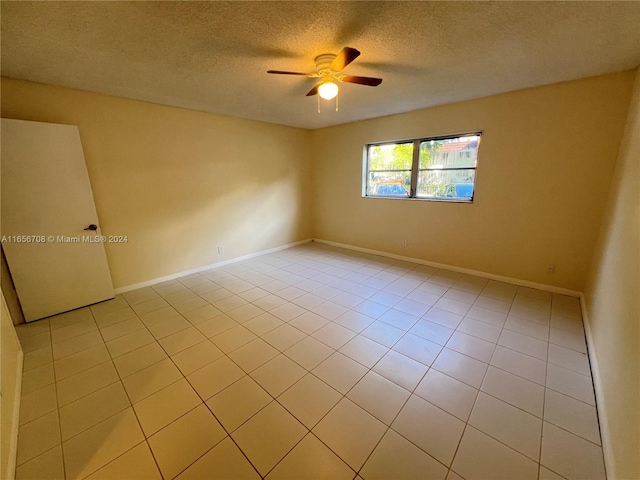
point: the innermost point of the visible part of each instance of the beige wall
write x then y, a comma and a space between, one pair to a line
545, 163
11, 360
613, 308
177, 182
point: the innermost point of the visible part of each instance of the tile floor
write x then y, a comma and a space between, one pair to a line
313, 362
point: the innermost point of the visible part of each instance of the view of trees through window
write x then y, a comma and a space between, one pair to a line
444, 170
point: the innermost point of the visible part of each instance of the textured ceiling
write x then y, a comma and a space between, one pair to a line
213, 56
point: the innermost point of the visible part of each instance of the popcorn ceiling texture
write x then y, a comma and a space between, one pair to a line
213, 56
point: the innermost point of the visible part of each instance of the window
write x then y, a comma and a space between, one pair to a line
436, 168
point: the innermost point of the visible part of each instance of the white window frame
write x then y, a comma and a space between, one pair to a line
415, 168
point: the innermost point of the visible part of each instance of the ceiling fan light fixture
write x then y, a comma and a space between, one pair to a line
328, 90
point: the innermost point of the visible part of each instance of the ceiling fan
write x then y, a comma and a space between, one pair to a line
329, 68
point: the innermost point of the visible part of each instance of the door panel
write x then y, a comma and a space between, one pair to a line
46, 195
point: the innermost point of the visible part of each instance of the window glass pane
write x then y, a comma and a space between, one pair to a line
446, 184
390, 156
391, 184
390, 169
449, 153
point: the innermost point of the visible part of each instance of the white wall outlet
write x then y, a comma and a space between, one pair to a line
551, 268
404, 243
220, 250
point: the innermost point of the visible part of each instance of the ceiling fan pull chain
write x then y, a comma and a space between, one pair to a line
337, 96
318, 97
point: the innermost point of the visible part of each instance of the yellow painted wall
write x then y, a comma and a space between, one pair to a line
177, 182
612, 300
545, 163
11, 361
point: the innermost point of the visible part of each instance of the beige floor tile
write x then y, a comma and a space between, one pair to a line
121, 328
233, 338
139, 359
268, 436
431, 331
412, 307
333, 335
471, 346
569, 455
396, 458
114, 316
309, 352
226, 460
309, 322
515, 390
37, 437
100, 309
71, 331
163, 407
217, 325
400, 369
449, 394
189, 305
74, 316
238, 403
418, 348
38, 403
354, 321
79, 362
569, 359
151, 379
102, 443
461, 367
284, 337
380, 397
245, 313
167, 327
37, 358
84, 383
26, 330
364, 351
215, 377
287, 311
47, 466
486, 315
383, 333
253, 354
181, 340
229, 303
481, 457
399, 319
430, 428
92, 409
350, 432
182, 442
570, 383
136, 464
35, 342
577, 417
263, 323
278, 374
160, 315
196, 357
269, 302
443, 317
546, 474
202, 314
371, 308
330, 310
150, 306
479, 329
507, 424
519, 364
129, 342
524, 344
572, 340
76, 344
140, 295
311, 460
309, 400
37, 378
340, 372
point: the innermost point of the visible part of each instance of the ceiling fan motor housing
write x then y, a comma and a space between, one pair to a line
323, 62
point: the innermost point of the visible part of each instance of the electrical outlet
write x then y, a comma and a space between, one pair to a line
551, 268
220, 250
404, 243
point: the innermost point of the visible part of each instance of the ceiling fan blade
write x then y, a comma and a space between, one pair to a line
344, 58
314, 90
370, 81
282, 72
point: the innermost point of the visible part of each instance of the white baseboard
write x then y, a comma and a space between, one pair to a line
15, 421
468, 271
173, 276
605, 433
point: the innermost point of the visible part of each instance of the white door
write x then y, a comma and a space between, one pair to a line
47, 204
